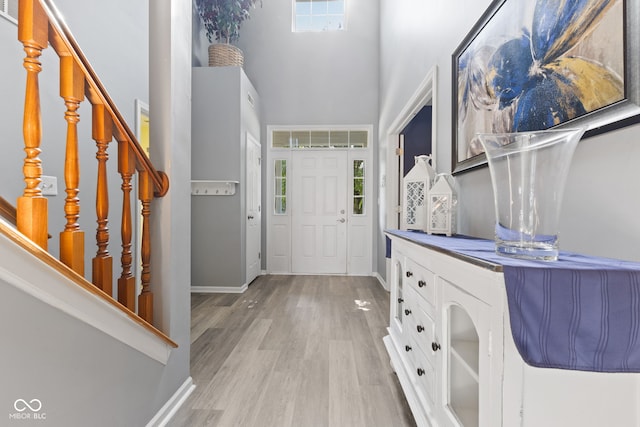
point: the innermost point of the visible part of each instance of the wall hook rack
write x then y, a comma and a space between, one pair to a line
213, 187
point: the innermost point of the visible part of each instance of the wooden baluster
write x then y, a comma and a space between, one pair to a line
32, 216
126, 282
103, 262
72, 238
145, 300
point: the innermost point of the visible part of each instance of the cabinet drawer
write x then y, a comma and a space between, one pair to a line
419, 325
423, 372
422, 280
424, 330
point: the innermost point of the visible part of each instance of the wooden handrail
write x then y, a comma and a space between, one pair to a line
40, 24
64, 36
7, 211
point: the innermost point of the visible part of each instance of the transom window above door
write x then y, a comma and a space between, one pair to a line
318, 15
299, 139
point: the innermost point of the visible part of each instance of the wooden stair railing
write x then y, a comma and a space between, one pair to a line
7, 211
39, 25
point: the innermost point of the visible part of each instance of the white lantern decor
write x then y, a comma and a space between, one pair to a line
442, 206
416, 185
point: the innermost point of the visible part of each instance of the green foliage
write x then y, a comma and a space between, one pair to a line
222, 18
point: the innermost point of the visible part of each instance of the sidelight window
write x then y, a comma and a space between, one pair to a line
280, 193
358, 187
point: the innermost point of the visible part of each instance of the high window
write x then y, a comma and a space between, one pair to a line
318, 15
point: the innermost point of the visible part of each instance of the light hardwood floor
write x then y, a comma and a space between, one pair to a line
300, 351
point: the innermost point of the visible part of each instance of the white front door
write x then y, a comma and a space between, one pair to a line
254, 213
319, 211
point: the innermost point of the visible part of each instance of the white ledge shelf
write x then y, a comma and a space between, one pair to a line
213, 188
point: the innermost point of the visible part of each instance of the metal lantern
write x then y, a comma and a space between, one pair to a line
442, 206
416, 185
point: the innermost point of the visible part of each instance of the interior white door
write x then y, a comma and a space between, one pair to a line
319, 212
253, 209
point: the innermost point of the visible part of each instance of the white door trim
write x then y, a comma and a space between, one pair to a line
254, 213
278, 230
425, 94
141, 114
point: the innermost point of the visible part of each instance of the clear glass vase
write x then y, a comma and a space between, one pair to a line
528, 173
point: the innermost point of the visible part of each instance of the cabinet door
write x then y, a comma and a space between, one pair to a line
466, 360
397, 292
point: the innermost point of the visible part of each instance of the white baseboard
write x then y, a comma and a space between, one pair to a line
219, 289
381, 280
169, 409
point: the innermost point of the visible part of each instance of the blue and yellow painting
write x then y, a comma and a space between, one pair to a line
538, 64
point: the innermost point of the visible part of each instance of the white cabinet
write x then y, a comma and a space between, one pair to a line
451, 346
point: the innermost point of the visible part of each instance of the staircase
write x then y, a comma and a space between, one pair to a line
40, 25
86, 322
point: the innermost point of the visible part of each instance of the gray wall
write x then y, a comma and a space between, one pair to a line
601, 201
81, 375
312, 78
87, 374
200, 54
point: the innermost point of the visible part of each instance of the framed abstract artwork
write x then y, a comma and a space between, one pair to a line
532, 65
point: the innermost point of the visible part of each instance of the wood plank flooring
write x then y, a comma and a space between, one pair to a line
300, 351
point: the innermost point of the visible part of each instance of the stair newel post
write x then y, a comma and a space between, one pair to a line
102, 130
126, 282
145, 300
32, 214
72, 238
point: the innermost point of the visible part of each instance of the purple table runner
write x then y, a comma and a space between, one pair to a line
580, 312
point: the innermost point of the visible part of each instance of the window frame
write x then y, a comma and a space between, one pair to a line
294, 18
363, 195
283, 180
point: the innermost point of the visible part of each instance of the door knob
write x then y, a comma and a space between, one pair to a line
342, 220
250, 217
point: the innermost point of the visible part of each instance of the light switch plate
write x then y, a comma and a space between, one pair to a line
49, 185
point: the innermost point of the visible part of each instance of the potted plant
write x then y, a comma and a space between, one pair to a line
222, 20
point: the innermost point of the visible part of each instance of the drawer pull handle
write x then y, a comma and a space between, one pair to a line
409, 274
420, 372
435, 346
407, 311
407, 348
422, 283
420, 328
400, 300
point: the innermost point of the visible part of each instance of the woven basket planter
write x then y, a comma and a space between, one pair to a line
224, 54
